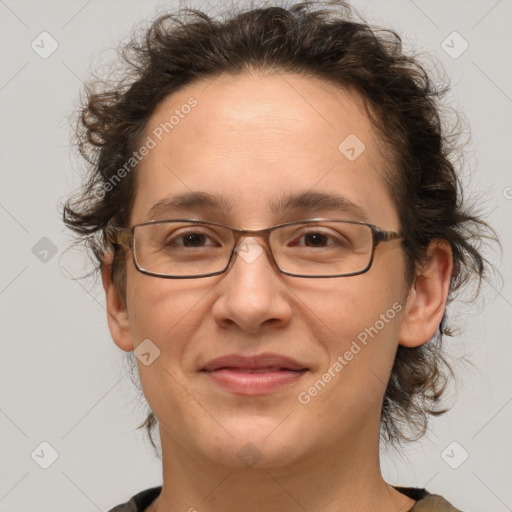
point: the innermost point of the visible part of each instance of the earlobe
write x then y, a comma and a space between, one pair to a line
117, 314
426, 302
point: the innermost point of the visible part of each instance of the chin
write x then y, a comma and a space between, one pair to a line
260, 443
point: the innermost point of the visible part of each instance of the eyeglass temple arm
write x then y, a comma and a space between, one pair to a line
122, 236
386, 236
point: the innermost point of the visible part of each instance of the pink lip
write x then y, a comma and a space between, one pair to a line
255, 375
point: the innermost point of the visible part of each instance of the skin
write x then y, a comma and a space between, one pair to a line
251, 137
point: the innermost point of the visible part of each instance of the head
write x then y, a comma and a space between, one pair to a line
262, 107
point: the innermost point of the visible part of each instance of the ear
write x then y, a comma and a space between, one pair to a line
427, 298
117, 314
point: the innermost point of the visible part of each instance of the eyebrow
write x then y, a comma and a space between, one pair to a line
310, 201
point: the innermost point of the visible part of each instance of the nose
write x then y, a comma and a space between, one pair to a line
252, 293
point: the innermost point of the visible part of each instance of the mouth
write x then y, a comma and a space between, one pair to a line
256, 375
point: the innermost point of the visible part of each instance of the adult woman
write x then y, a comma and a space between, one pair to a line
282, 230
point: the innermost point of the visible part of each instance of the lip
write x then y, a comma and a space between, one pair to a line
255, 375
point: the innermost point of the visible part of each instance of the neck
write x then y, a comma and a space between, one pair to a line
347, 479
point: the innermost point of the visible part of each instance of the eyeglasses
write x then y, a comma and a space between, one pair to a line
188, 248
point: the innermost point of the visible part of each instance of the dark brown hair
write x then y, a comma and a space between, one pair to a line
317, 39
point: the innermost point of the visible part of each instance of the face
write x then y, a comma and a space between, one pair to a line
254, 140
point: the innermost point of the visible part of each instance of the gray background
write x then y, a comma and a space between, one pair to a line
64, 381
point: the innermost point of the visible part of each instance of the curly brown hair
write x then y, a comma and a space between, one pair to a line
317, 39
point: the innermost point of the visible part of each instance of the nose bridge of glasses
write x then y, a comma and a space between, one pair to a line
250, 244
242, 236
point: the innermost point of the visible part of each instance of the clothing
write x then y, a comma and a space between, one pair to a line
426, 502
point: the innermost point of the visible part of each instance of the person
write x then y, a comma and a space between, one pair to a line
279, 229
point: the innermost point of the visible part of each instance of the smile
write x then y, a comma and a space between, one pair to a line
257, 375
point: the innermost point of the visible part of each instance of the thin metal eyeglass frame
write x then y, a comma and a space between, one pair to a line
124, 236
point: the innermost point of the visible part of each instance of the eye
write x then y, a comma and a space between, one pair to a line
315, 238
191, 239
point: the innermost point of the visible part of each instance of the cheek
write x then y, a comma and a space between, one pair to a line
169, 314
352, 305
159, 309
352, 383
364, 330
363, 315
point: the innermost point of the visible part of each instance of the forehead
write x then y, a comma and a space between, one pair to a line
249, 137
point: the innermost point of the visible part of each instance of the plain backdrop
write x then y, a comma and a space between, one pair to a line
65, 383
